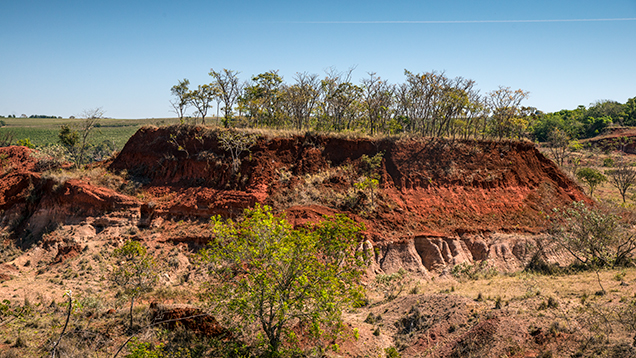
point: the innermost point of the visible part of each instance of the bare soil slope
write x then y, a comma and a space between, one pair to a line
439, 202
429, 185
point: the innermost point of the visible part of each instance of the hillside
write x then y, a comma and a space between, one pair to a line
439, 203
449, 201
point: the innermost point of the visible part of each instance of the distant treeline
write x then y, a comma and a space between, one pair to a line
584, 122
43, 116
31, 116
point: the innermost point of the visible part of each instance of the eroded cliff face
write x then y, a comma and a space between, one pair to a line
439, 202
437, 255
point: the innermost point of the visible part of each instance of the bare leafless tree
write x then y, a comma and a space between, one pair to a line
91, 118
236, 143
229, 87
623, 177
377, 100
301, 98
558, 142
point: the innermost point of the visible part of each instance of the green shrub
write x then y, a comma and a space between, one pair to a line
480, 270
309, 274
26, 142
591, 177
392, 352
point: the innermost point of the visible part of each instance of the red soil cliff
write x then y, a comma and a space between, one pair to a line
439, 202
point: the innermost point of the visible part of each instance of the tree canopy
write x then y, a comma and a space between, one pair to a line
430, 104
269, 276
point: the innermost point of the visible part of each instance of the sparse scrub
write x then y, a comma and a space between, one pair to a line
135, 272
392, 285
480, 270
622, 178
593, 236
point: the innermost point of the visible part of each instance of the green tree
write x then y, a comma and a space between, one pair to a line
262, 99
630, 111
180, 104
370, 179
337, 105
268, 275
135, 271
594, 126
607, 108
201, 98
547, 124
591, 177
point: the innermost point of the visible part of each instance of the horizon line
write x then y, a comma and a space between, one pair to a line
455, 21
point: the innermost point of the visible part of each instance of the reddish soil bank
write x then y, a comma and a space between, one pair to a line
620, 139
436, 201
426, 186
31, 203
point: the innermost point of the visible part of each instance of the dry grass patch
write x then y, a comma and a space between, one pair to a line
97, 176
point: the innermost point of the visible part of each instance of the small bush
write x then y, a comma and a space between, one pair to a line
539, 266
26, 142
20, 343
392, 352
481, 270
498, 303
596, 237
550, 303
392, 285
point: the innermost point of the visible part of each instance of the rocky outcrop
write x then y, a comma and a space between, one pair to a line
434, 255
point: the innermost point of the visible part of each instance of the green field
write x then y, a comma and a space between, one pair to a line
44, 131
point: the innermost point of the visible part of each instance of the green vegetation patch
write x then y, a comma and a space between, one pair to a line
44, 131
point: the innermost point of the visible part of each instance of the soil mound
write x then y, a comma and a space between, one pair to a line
31, 202
620, 139
453, 187
437, 203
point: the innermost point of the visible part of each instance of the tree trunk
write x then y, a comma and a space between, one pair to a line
132, 302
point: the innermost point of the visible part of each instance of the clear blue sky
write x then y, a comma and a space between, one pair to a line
61, 57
